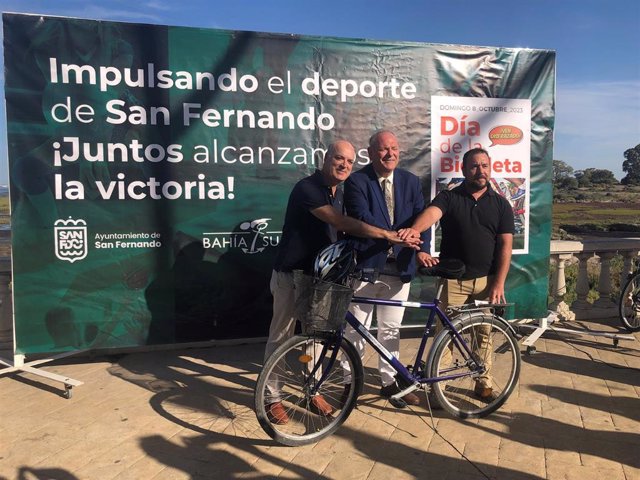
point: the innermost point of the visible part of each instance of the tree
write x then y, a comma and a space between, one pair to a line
563, 176
568, 183
561, 170
603, 177
631, 166
595, 176
584, 177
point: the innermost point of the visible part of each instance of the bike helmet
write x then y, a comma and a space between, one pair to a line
335, 262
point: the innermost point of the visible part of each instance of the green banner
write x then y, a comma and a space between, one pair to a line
150, 166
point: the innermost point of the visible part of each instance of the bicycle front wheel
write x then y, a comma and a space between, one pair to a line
492, 371
290, 377
629, 305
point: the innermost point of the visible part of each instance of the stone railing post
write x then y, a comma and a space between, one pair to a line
627, 266
559, 288
604, 281
582, 285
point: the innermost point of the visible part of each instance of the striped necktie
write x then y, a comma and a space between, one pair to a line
388, 197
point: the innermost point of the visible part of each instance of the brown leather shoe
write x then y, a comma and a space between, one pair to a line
277, 413
321, 406
390, 390
486, 394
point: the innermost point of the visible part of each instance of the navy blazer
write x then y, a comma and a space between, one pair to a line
364, 200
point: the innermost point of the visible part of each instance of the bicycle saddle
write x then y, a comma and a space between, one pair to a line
446, 268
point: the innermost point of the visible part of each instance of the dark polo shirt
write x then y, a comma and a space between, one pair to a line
470, 228
303, 234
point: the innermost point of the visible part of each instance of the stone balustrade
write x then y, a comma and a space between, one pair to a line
602, 250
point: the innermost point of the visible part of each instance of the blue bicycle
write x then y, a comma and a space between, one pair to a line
629, 303
474, 341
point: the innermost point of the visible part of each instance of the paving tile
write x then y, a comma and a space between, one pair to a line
523, 467
406, 471
145, 467
352, 466
564, 458
631, 472
561, 471
526, 454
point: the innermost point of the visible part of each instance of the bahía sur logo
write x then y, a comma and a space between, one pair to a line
251, 237
70, 239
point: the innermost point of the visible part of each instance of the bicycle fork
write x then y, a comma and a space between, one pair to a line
314, 386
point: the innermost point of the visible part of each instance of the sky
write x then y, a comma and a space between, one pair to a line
597, 44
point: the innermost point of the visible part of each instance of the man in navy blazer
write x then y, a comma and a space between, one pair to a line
388, 197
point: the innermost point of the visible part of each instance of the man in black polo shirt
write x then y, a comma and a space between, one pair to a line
313, 220
477, 228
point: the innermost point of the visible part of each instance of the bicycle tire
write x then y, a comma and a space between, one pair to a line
290, 363
458, 396
629, 304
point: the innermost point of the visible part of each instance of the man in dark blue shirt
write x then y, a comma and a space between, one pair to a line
313, 220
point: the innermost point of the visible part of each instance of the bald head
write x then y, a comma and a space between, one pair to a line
338, 162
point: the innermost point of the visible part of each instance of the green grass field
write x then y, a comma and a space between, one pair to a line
612, 208
4, 209
601, 214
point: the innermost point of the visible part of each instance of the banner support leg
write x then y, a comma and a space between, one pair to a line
546, 323
18, 365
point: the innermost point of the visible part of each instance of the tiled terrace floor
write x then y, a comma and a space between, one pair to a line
187, 414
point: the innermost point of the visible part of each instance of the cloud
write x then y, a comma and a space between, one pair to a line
596, 122
158, 6
94, 11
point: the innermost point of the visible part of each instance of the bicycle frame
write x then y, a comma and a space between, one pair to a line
413, 377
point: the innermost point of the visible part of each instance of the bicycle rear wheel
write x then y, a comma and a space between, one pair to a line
629, 304
288, 377
493, 345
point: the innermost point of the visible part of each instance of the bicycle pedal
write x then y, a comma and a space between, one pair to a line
398, 402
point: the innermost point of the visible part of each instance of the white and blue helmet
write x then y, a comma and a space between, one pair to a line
335, 262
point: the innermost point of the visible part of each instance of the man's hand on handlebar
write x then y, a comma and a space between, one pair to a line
426, 260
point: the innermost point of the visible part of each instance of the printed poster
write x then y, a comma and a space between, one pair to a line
501, 126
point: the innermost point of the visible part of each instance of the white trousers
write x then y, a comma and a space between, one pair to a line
389, 320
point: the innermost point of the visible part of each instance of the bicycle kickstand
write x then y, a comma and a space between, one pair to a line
427, 393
